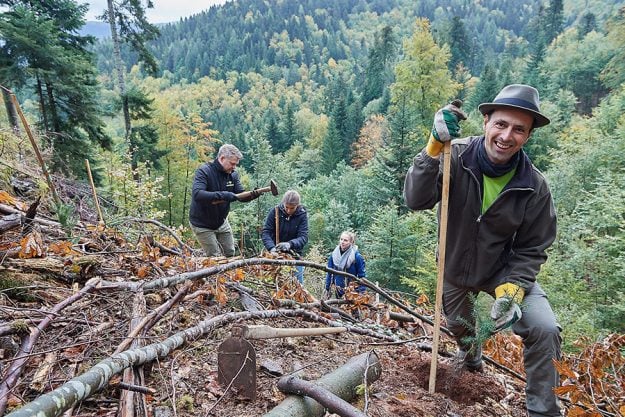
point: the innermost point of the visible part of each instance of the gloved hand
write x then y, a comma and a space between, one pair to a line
283, 246
505, 310
229, 196
446, 127
253, 194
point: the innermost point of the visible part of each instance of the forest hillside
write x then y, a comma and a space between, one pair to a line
332, 99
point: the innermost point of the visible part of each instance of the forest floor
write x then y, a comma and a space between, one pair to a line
40, 271
52, 330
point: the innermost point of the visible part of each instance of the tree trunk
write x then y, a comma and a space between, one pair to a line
361, 369
10, 109
56, 125
42, 107
119, 68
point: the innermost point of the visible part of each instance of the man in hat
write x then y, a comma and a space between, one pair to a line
215, 186
501, 220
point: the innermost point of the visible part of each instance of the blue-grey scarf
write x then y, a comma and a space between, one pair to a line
344, 260
494, 170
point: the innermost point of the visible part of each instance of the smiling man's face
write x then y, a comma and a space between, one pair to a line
506, 131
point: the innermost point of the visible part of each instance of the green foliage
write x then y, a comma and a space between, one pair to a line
612, 74
66, 215
485, 89
587, 182
133, 28
544, 142
42, 55
378, 73
133, 198
576, 64
422, 270
422, 79
391, 247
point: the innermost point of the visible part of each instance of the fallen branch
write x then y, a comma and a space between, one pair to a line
15, 370
130, 404
160, 225
343, 382
10, 222
148, 321
330, 401
95, 379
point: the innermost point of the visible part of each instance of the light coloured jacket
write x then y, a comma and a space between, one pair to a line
508, 242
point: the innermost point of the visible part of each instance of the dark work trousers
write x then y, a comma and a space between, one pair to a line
541, 339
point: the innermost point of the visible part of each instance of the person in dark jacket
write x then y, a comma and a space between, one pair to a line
501, 221
215, 186
292, 228
346, 258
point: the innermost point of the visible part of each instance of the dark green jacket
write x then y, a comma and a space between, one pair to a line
508, 242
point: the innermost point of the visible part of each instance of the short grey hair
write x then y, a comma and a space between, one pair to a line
291, 197
229, 151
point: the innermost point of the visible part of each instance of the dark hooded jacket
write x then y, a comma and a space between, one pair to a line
209, 185
508, 242
293, 229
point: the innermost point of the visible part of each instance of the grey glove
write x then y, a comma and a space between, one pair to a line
283, 246
446, 126
505, 312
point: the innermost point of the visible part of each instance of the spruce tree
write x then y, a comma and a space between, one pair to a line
129, 25
42, 49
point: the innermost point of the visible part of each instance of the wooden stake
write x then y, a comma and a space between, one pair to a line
442, 243
55, 196
95, 194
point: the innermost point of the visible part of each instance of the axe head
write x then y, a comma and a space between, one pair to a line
274, 187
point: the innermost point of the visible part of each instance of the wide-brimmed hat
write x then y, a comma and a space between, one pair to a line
517, 96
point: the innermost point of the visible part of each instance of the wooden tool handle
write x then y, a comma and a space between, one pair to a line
266, 332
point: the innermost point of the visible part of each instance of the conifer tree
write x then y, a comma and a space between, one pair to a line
331, 149
422, 85
129, 24
42, 49
485, 89
388, 246
460, 45
273, 133
288, 129
378, 73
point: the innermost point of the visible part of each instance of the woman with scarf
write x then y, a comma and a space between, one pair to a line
345, 257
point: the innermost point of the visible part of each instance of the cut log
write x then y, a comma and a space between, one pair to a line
359, 370
333, 403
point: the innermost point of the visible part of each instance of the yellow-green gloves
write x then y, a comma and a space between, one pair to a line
446, 127
506, 311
